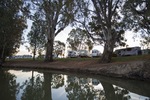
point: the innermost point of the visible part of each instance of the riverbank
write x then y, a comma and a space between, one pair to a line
139, 69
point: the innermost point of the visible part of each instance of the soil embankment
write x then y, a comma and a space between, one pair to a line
133, 69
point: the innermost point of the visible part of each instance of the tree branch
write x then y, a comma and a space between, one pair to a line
59, 30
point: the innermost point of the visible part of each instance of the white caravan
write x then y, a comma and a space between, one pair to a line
128, 51
72, 54
95, 53
83, 53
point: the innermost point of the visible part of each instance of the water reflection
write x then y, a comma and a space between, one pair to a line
42, 85
39, 87
32, 88
8, 86
80, 89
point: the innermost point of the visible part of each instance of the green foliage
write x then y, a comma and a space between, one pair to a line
107, 26
57, 81
33, 88
58, 15
12, 24
77, 89
137, 16
78, 40
145, 42
8, 85
107, 23
59, 48
39, 87
36, 36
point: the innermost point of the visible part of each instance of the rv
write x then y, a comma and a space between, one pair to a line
26, 56
128, 51
83, 53
72, 54
95, 53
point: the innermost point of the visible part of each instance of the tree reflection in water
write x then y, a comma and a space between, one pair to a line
81, 89
84, 89
42, 85
121, 94
8, 86
32, 88
57, 80
39, 87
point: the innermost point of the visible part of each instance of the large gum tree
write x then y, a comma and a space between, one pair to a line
107, 25
58, 14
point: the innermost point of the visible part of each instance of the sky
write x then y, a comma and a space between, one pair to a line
62, 36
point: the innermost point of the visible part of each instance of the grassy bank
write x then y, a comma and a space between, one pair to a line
114, 59
135, 67
130, 58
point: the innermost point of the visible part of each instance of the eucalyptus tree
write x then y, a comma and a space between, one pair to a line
58, 14
78, 39
107, 25
103, 22
36, 36
137, 16
59, 47
12, 24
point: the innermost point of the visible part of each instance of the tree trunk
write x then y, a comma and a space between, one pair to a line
108, 51
50, 39
49, 48
34, 51
2, 59
34, 55
32, 79
49, 51
47, 86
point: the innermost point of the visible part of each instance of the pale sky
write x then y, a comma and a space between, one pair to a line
64, 35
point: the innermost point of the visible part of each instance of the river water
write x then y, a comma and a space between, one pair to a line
50, 85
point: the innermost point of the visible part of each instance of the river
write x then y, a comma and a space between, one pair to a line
17, 84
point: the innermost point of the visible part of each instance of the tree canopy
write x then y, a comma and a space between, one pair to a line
79, 40
12, 24
57, 14
107, 25
137, 17
36, 37
59, 48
